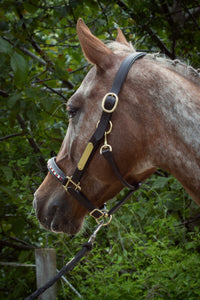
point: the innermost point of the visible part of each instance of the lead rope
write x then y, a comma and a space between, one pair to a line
70, 265
103, 220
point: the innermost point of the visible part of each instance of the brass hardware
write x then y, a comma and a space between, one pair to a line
77, 185
110, 129
106, 145
104, 100
104, 214
85, 156
99, 211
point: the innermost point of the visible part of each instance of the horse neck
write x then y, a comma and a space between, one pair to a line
171, 112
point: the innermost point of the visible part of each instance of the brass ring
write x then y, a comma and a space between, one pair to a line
110, 129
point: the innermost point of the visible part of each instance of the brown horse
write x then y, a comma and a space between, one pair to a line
156, 124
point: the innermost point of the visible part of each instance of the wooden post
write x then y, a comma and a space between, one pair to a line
45, 260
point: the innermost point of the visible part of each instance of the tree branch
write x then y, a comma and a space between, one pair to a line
192, 15
18, 244
11, 136
42, 53
27, 52
4, 94
33, 144
53, 90
106, 18
49, 63
4, 243
12, 264
146, 28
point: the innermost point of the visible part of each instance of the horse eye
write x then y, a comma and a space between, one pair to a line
71, 111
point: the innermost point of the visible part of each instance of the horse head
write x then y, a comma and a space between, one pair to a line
138, 125
56, 209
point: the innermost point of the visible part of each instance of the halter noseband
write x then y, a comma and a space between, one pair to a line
104, 127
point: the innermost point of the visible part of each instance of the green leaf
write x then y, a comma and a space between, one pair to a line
20, 68
5, 47
160, 182
30, 8
13, 99
4, 26
7, 172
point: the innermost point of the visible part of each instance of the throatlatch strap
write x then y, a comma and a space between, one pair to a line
109, 157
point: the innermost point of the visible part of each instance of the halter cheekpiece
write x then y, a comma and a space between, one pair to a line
104, 126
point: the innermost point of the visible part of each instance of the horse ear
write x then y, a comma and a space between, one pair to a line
95, 50
121, 38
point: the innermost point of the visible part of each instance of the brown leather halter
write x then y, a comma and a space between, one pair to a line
104, 126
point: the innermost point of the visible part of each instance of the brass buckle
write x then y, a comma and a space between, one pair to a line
77, 185
104, 100
104, 214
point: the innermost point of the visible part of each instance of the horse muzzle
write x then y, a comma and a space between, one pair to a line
55, 215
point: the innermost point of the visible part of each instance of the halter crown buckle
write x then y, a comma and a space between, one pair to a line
115, 104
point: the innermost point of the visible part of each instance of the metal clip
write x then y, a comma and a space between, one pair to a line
93, 236
106, 145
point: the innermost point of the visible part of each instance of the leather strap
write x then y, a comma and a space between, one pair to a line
120, 77
55, 170
83, 200
110, 158
123, 71
110, 101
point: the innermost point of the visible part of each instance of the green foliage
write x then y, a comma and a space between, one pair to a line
151, 249
145, 253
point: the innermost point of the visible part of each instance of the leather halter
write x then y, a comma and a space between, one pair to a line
104, 127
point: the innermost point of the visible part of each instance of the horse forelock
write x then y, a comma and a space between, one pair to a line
121, 48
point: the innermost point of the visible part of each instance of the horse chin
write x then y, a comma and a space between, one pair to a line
62, 225
69, 227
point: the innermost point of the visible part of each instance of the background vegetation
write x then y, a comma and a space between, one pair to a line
151, 250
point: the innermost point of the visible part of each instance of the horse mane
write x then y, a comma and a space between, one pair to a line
176, 65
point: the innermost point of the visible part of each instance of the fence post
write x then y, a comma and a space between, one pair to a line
45, 260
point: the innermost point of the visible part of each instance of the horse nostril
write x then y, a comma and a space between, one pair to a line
53, 207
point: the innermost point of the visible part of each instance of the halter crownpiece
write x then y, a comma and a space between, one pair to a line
104, 127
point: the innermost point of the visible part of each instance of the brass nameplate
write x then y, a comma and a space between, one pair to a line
85, 156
